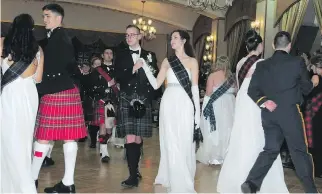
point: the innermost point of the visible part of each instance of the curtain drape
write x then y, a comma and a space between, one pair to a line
318, 12
293, 18
200, 49
235, 40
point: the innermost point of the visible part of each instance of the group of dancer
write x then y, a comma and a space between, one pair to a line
265, 112
247, 133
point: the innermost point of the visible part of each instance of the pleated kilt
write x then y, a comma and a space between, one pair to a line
99, 114
60, 116
127, 125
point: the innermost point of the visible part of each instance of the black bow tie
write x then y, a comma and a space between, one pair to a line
136, 52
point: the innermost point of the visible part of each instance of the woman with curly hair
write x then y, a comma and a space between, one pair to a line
22, 68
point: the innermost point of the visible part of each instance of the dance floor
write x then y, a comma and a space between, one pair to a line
92, 176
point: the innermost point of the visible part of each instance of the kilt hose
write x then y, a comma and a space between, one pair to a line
128, 125
98, 114
60, 116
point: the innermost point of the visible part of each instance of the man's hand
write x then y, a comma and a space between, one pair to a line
270, 105
315, 80
137, 66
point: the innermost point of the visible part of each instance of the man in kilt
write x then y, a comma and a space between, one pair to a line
60, 115
134, 112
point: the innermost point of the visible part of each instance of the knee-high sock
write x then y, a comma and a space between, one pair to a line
103, 150
40, 151
51, 145
70, 154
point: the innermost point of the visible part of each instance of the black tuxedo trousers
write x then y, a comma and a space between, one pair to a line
285, 122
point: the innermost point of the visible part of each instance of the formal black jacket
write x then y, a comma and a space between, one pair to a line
59, 63
281, 78
138, 82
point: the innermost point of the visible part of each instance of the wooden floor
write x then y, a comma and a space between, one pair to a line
91, 176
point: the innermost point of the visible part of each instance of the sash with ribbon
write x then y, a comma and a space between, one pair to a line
108, 79
13, 72
183, 78
209, 112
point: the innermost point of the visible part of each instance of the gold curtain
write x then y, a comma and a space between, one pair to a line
318, 12
235, 40
293, 18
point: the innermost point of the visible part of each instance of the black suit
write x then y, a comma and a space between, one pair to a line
284, 80
133, 83
134, 86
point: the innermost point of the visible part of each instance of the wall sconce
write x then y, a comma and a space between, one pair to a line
207, 57
256, 25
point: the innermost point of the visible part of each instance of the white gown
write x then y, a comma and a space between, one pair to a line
19, 104
214, 147
246, 142
178, 161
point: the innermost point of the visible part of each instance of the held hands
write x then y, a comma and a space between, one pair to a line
315, 80
138, 65
270, 105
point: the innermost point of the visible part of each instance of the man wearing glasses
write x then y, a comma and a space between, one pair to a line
136, 93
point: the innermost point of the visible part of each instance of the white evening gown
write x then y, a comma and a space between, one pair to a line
246, 142
178, 161
214, 147
19, 105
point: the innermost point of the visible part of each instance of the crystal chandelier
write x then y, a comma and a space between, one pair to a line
213, 4
148, 31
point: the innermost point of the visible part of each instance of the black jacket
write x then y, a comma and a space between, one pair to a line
281, 78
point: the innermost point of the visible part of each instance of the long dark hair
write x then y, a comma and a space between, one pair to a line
187, 46
20, 42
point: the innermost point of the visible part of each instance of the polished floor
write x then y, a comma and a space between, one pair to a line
91, 176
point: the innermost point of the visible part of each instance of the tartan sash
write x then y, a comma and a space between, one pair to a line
13, 72
209, 112
184, 80
107, 78
311, 109
245, 68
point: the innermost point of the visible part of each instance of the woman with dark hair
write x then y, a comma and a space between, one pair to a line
179, 115
247, 137
313, 114
22, 68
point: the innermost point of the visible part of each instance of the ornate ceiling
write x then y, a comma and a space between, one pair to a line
174, 12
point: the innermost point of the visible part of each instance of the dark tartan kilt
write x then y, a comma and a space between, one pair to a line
98, 116
127, 125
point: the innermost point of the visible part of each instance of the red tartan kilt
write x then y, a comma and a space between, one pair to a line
99, 114
60, 116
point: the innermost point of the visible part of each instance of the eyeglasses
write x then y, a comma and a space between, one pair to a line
130, 35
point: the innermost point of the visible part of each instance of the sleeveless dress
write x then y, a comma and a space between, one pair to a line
214, 147
246, 142
19, 104
177, 162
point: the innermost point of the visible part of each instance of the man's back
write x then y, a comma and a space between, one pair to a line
284, 78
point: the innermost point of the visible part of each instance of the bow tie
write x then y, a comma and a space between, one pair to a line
136, 52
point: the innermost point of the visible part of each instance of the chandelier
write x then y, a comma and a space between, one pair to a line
148, 31
213, 4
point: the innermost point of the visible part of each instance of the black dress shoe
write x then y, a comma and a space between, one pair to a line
249, 187
92, 145
105, 159
36, 184
289, 165
48, 162
60, 188
139, 175
130, 182
82, 139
